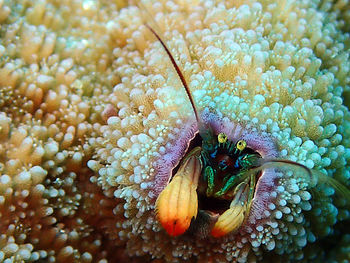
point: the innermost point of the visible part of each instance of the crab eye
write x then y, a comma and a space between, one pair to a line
222, 137
241, 144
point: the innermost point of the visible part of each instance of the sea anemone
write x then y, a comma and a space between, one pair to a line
95, 121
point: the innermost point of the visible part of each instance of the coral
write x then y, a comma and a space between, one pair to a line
94, 119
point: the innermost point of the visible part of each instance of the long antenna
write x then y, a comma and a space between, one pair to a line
179, 73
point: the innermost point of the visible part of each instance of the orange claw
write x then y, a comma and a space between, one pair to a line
233, 217
229, 221
177, 204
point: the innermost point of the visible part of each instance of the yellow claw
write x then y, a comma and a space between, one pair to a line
233, 217
229, 221
177, 204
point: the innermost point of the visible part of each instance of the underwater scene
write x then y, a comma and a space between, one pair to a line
174, 131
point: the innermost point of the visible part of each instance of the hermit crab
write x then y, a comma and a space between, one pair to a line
219, 168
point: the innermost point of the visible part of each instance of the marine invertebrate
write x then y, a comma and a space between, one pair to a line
84, 82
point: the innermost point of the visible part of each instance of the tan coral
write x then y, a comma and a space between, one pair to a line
84, 83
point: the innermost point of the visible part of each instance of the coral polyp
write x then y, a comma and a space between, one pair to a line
95, 123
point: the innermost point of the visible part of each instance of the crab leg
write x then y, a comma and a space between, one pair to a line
177, 204
209, 175
251, 191
233, 180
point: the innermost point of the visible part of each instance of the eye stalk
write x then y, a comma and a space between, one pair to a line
241, 145
222, 137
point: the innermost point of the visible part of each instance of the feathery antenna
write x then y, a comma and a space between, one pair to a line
178, 71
